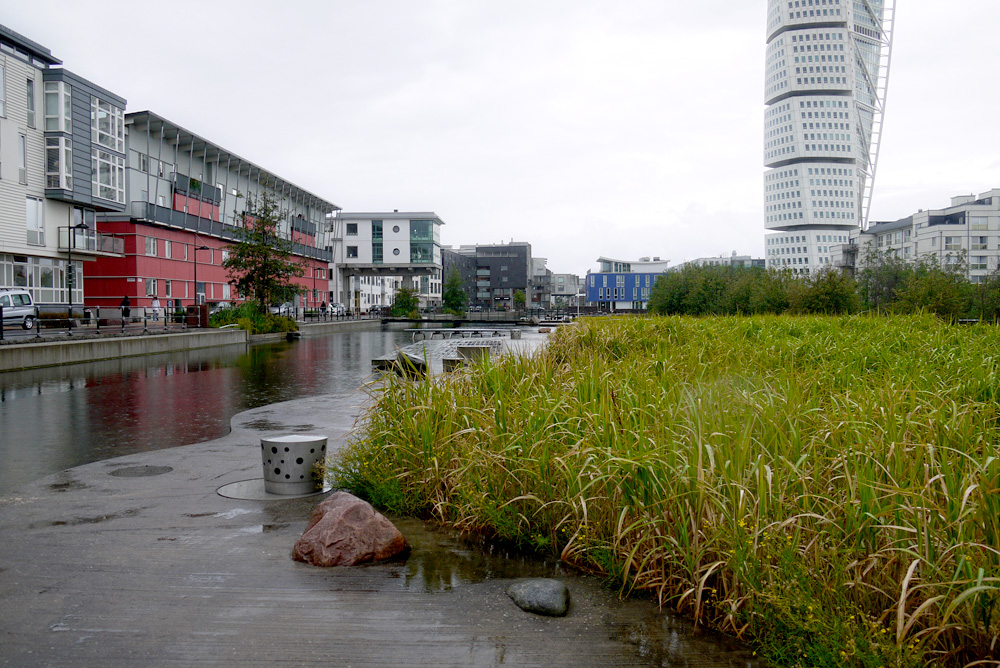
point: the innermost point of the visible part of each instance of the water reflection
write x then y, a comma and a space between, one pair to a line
60, 417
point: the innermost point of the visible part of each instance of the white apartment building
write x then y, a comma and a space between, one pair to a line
967, 232
62, 155
401, 249
827, 66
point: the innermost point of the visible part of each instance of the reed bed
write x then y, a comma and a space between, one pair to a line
827, 489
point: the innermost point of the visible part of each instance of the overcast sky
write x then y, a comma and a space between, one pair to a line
620, 128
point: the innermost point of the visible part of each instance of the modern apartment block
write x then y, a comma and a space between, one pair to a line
62, 154
502, 270
965, 234
404, 247
186, 201
567, 290
622, 285
827, 66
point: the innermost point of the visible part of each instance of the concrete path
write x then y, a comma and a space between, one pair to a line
137, 561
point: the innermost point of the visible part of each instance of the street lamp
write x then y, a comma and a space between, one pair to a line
70, 274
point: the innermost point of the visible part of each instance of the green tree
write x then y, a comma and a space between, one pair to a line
404, 303
519, 299
260, 263
830, 292
454, 297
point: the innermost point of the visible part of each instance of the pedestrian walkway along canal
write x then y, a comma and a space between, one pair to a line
131, 557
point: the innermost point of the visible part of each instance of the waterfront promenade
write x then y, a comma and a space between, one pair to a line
139, 561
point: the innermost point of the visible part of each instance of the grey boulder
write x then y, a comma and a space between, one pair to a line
542, 596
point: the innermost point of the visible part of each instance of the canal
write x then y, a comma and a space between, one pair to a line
56, 418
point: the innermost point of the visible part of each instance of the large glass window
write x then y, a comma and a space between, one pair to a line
421, 230
58, 159
151, 246
421, 253
352, 229
108, 172
107, 125
35, 220
352, 251
58, 107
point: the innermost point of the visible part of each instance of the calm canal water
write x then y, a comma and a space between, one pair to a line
53, 419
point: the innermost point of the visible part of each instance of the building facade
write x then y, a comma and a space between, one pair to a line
502, 271
186, 198
404, 248
62, 153
622, 285
827, 66
965, 235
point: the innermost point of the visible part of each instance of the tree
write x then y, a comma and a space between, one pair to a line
404, 303
454, 297
519, 299
260, 264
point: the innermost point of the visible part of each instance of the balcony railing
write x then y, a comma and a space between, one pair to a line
146, 211
85, 241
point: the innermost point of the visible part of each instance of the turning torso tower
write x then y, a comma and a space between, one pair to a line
825, 82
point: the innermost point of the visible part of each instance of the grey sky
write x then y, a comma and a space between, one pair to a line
621, 128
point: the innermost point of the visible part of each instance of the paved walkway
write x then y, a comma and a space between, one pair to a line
137, 561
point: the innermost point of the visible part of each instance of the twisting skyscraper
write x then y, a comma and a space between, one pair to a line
826, 73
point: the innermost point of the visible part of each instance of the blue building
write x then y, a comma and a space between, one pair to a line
622, 285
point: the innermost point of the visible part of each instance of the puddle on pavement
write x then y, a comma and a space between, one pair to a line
439, 560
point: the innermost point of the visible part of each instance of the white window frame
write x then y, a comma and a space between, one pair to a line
30, 95
113, 137
151, 246
62, 118
22, 159
35, 221
167, 288
150, 287
108, 178
58, 162
167, 248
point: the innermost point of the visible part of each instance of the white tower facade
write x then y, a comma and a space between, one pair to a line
825, 85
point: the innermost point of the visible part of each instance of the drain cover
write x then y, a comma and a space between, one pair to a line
141, 471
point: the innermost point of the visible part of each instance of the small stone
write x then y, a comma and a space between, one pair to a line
542, 596
344, 531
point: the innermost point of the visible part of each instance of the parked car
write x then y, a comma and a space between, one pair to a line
337, 308
287, 309
18, 307
218, 306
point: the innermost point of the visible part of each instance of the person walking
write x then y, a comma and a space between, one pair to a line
156, 309
125, 307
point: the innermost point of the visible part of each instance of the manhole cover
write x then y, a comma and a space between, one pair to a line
141, 471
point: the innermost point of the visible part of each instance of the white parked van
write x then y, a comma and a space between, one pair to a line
17, 307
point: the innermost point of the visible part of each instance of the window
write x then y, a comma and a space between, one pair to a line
225, 256
953, 243
108, 176
978, 263
352, 251
58, 162
58, 106
980, 243
35, 221
22, 159
978, 223
107, 125
352, 229
151, 246
168, 288
226, 291
150, 287
167, 248
31, 103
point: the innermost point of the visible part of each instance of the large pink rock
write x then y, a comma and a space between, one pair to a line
344, 531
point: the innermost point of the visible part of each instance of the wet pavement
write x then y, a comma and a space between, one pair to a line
139, 561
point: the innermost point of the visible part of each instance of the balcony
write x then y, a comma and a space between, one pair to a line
151, 213
89, 242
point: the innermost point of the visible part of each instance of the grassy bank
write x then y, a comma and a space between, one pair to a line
826, 488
